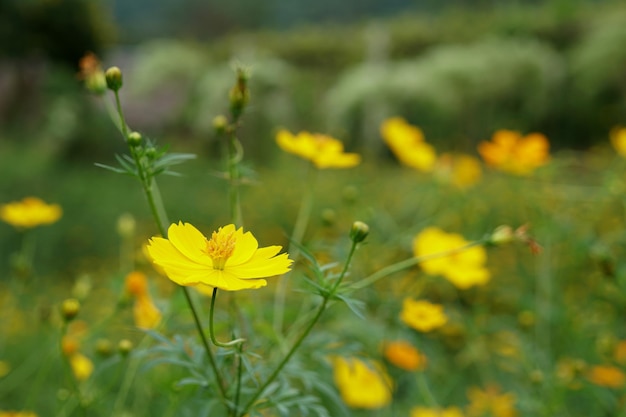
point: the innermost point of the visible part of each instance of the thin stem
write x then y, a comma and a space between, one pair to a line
235, 154
212, 332
407, 263
327, 297
238, 382
302, 220
205, 343
118, 106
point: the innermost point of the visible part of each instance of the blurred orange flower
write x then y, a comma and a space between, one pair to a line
463, 269
145, 312
511, 152
362, 384
30, 212
17, 414
422, 315
490, 402
407, 144
402, 354
324, 151
618, 139
231, 260
436, 412
606, 376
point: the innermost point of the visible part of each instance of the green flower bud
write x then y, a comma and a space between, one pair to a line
104, 347
359, 231
114, 78
96, 83
124, 347
220, 124
70, 309
134, 139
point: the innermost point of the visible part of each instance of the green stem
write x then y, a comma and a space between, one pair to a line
205, 343
407, 263
302, 220
212, 332
153, 195
327, 297
235, 154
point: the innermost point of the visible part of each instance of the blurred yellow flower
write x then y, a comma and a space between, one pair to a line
231, 260
511, 152
407, 144
463, 269
362, 384
30, 212
402, 354
606, 376
436, 412
620, 352
422, 315
462, 171
618, 139
82, 367
324, 151
490, 402
5, 368
17, 414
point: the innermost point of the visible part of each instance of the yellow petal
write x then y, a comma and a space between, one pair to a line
190, 242
261, 265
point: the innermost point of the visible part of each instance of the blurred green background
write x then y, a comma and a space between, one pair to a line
459, 69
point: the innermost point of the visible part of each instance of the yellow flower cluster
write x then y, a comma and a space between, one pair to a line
231, 260
463, 269
490, 402
511, 152
362, 384
30, 212
81, 365
323, 150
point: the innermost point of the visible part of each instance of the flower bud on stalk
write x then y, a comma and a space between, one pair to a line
134, 139
114, 78
359, 231
70, 309
239, 95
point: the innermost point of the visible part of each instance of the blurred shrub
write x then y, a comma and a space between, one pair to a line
452, 91
598, 74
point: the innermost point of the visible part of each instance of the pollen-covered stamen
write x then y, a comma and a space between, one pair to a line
220, 247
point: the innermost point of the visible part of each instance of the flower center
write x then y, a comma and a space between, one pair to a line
220, 247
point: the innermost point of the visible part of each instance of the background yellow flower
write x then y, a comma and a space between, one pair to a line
422, 315
362, 384
490, 402
436, 412
607, 376
463, 269
231, 260
324, 151
30, 212
618, 139
408, 145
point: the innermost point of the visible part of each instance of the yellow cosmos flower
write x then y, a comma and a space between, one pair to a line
362, 384
436, 412
422, 315
463, 269
463, 171
402, 354
607, 376
408, 145
618, 139
231, 260
82, 367
30, 212
511, 152
324, 151
490, 402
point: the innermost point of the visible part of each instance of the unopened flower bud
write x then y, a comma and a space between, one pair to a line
220, 124
126, 225
70, 308
104, 347
124, 347
503, 234
151, 152
134, 139
329, 216
96, 83
114, 78
239, 98
359, 231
